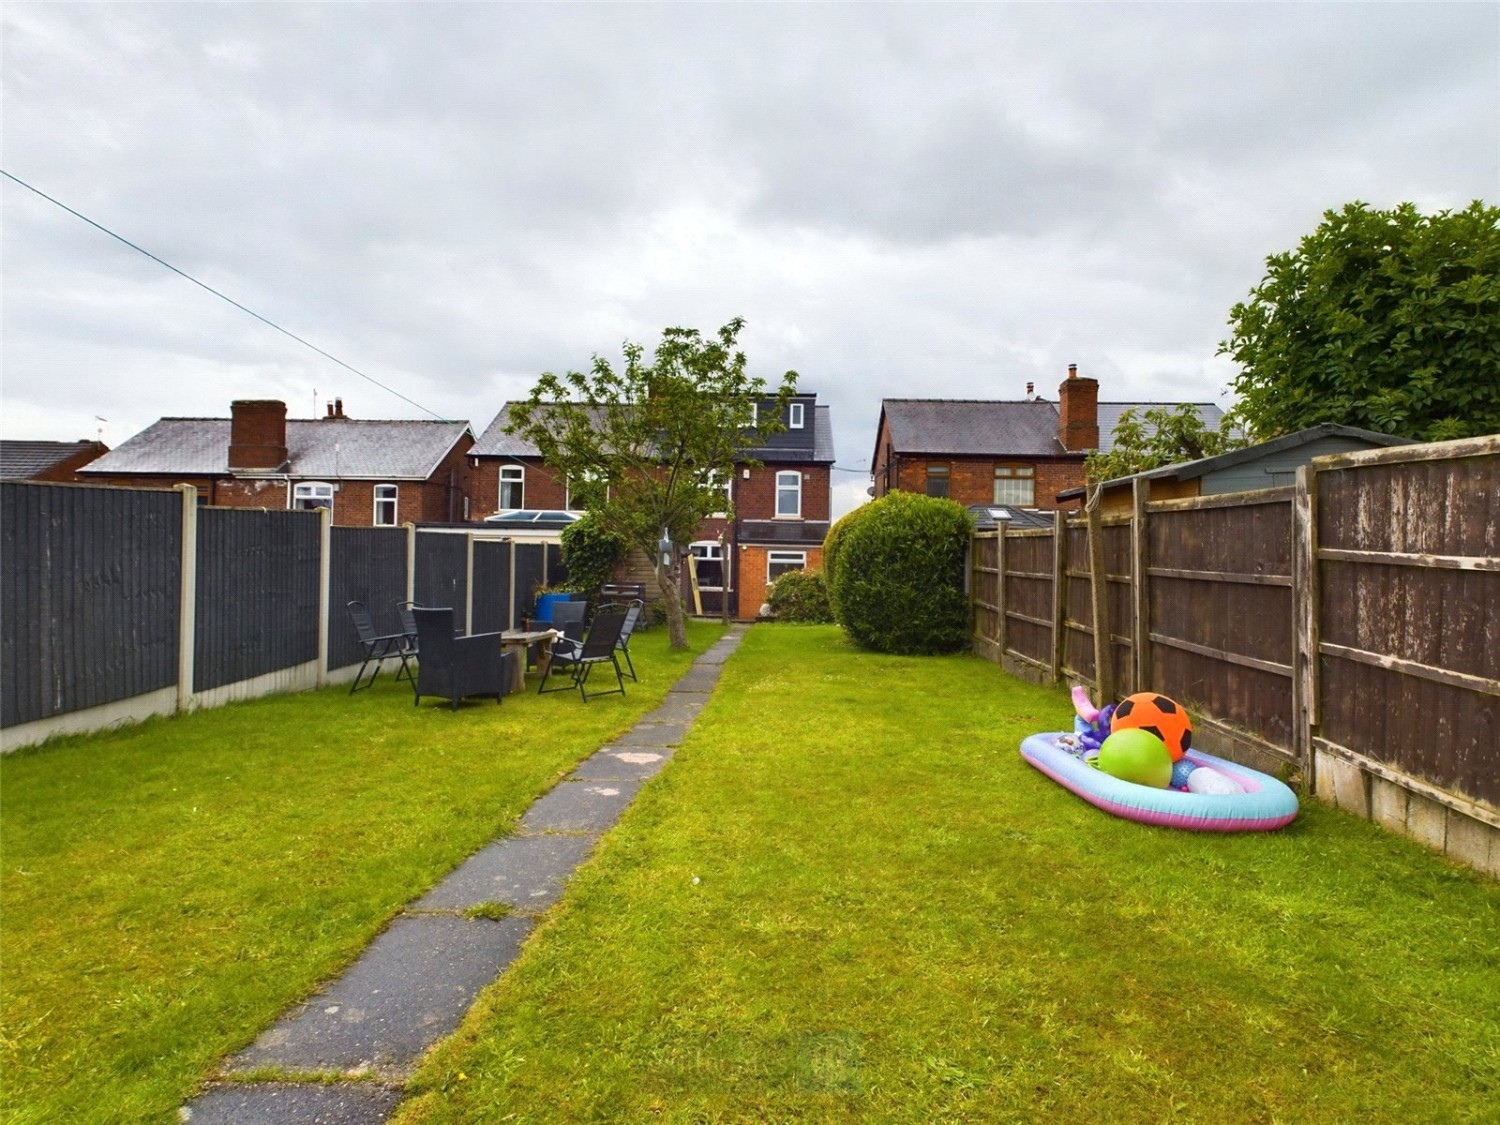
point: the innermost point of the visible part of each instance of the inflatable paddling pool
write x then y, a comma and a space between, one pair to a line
1262, 803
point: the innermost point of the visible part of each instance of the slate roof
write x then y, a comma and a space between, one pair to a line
989, 428
987, 517
812, 444
22, 460
402, 449
1188, 470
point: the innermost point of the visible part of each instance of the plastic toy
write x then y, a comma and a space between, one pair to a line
1159, 714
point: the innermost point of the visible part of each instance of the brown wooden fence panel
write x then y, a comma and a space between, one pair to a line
1408, 551
1118, 564
984, 592
1028, 596
1078, 641
1221, 612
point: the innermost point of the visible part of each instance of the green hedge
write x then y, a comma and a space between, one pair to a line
898, 578
833, 546
590, 554
800, 595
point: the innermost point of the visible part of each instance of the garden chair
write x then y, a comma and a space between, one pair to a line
375, 647
578, 659
453, 668
633, 610
408, 628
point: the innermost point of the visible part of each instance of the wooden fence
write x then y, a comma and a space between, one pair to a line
1346, 629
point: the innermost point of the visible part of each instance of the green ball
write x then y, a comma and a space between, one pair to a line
1137, 755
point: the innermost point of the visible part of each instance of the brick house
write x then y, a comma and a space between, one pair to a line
986, 452
51, 461
371, 473
781, 506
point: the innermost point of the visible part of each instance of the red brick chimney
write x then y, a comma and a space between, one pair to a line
257, 434
1078, 412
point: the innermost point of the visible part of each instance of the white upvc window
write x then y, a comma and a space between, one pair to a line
794, 416
310, 495
710, 564
589, 491
714, 480
385, 505
779, 562
754, 417
1015, 485
788, 495
512, 488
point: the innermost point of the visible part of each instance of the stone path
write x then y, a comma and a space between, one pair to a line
414, 982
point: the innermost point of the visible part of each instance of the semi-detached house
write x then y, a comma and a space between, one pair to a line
780, 505
984, 452
370, 473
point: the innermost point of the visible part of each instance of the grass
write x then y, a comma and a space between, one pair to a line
170, 888
848, 899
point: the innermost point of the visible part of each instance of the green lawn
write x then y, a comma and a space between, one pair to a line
170, 888
848, 899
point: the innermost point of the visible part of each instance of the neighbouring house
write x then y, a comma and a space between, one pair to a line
370, 473
53, 461
1268, 464
1018, 454
781, 506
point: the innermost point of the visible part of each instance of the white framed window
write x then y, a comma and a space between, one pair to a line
512, 488
589, 490
710, 564
1015, 485
794, 416
779, 562
788, 495
385, 505
754, 417
310, 495
717, 481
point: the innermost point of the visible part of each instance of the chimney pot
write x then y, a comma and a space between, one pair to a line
1030, 390
1072, 371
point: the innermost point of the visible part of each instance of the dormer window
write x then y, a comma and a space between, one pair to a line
754, 417
794, 416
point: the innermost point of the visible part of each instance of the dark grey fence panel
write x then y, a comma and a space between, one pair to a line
557, 572
90, 596
257, 601
528, 577
367, 564
442, 572
491, 587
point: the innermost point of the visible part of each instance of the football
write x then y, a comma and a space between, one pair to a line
1158, 715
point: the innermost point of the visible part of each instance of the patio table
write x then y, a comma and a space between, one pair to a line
517, 640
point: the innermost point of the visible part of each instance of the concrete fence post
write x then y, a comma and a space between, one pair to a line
187, 612
469, 583
325, 588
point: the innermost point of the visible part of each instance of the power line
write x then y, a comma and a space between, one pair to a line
221, 296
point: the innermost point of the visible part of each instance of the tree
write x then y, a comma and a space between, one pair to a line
657, 441
1160, 436
1388, 320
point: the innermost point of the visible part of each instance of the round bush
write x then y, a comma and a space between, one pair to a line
833, 545
900, 575
801, 595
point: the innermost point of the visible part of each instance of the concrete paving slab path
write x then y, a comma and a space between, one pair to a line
415, 981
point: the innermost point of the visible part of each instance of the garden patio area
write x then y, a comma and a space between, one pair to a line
846, 899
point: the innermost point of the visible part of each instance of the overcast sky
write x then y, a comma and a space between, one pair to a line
931, 200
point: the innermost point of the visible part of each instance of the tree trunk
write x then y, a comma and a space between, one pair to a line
669, 579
